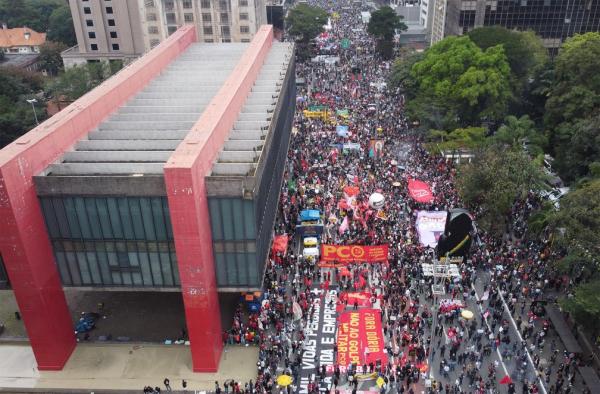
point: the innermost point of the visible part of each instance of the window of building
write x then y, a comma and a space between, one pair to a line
224, 17
188, 17
153, 29
115, 47
91, 34
171, 19
226, 40
109, 10
209, 40
151, 17
243, 3
245, 40
87, 10
149, 3
111, 22
243, 16
89, 22
154, 42
169, 6
244, 29
225, 31
208, 30
223, 4
187, 4
113, 34
206, 17
205, 3
172, 29
94, 47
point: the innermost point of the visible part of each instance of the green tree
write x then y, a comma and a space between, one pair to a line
524, 51
495, 179
521, 132
75, 81
34, 14
584, 305
383, 25
460, 85
465, 138
576, 147
576, 91
16, 115
304, 24
60, 27
50, 59
400, 76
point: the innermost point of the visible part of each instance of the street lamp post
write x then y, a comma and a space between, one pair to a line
32, 102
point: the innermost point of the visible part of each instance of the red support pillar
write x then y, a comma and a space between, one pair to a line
190, 219
24, 241
33, 275
188, 205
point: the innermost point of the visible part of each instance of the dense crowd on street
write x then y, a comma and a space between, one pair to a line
512, 271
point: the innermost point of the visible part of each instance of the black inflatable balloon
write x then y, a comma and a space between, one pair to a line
457, 237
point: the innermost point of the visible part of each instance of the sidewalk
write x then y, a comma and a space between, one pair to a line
122, 367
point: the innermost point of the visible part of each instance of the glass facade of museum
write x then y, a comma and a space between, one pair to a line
112, 241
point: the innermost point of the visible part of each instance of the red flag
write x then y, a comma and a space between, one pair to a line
506, 380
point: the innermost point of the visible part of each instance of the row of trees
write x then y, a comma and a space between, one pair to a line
496, 92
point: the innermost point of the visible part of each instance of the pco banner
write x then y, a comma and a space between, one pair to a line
354, 253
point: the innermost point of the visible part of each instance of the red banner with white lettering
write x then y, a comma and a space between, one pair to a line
354, 253
419, 191
360, 338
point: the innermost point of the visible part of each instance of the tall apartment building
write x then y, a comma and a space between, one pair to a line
552, 20
125, 29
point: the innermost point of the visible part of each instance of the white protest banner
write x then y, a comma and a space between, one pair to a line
430, 225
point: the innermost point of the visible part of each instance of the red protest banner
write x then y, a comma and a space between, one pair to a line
419, 191
362, 298
360, 338
354, 253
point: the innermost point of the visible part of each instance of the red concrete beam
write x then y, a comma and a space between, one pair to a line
184, 177
24, 241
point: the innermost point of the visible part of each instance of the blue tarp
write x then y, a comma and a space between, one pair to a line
309, 215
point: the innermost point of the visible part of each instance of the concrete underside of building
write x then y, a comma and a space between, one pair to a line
166, 177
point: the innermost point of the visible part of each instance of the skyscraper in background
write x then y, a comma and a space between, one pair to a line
552, 20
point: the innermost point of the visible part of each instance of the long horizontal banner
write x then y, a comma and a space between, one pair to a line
360, 338
354, 253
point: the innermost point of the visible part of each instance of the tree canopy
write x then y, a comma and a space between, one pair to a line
465, 138
576, 227
16, 114
383, 25
75, 81
50, 59
521, 132
524, 51
50, 16
458, 84
576, 91
494, 180
584, 305
306, 22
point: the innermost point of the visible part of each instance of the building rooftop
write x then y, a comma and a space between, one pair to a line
242, 150
19, 60
20, 36
140, 137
